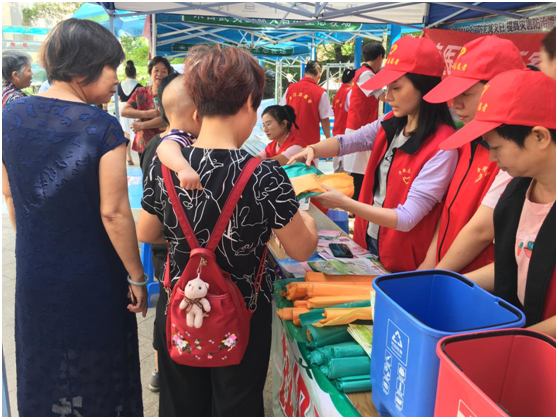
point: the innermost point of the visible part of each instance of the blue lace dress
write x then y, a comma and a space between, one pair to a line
76, 342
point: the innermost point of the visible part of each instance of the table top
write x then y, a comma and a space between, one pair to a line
362, 401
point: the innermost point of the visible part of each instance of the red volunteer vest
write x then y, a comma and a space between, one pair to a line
304, 97
339, 112
291, 140
400, 251
362, 109
472, 179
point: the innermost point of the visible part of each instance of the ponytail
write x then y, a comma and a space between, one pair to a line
282, 113
130, 69
348, 75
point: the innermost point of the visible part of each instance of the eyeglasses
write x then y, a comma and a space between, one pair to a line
264, 126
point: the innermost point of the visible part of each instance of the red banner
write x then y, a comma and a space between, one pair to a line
449, 44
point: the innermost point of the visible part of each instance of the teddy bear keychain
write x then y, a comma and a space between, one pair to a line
195, 303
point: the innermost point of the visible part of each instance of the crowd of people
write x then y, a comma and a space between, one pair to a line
480, 200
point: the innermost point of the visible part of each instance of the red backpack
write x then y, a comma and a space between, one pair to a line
224, 334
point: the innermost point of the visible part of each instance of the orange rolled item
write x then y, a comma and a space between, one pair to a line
324, 302
297, 311
296, 290
338, 316
321, 277
285, 313
292, 313
300, 303
326, 289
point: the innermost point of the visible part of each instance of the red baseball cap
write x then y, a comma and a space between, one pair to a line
481, 59
516, 97
408, 55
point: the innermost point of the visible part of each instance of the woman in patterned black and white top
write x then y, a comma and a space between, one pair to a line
226, 85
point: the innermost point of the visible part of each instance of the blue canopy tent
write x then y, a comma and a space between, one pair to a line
123, 26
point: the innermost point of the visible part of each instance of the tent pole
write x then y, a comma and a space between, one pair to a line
358, 51
153, 45
115, 97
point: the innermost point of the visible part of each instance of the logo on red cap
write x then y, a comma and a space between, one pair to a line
392, 60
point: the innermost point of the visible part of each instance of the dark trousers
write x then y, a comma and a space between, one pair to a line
358, 178
226, 391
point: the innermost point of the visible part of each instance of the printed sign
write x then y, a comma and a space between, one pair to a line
398, 342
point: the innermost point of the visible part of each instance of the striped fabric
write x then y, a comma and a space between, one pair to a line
10, 92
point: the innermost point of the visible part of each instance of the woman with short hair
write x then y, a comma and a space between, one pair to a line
125, 91
64, 166
16, 75
142, 107
226, 85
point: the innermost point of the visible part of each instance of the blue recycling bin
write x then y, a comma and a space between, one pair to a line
413, 311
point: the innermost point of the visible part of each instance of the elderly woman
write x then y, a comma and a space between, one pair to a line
64, 166
16, 75
226, 86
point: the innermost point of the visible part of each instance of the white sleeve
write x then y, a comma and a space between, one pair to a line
283, 101
496, 190
364, 77
262, 154
324, 108
291, 151
348, 101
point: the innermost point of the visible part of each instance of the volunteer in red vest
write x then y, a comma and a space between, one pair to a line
477, 183
310, 103
341, 102
517, 118
407, 174
363, 109
279, 124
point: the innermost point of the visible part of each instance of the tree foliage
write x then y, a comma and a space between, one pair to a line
49, 13
137, 50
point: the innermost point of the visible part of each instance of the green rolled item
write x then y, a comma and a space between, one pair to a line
318, 337
346, 367
353, 304
344, 350
313, 316
323, 355
354, 384
318, 357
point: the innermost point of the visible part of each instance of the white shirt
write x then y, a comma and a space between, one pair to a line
363, 78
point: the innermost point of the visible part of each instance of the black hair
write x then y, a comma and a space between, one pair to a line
373, 50
518, 133
164, 83
156, 60
130, 69
348, 75
549, 43
430, 115
313, 67
282, 113
79, 48
532, 68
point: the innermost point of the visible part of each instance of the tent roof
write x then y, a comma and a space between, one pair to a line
398, 13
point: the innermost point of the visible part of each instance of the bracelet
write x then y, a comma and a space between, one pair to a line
139, 284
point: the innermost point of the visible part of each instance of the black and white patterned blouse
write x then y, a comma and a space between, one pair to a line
268, 202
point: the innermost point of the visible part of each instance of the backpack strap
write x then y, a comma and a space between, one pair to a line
178, 210
230, 205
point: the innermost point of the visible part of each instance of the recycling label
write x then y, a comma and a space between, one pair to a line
398, 342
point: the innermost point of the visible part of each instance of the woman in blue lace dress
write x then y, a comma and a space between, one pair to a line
64, 167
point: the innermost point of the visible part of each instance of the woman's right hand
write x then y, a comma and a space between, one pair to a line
140, 296
305, 156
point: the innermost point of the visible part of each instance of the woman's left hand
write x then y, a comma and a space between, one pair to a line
136, 126
139, 302
332, 198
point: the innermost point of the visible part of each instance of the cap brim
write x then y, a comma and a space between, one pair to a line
383, 78
468, 133
449, 88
